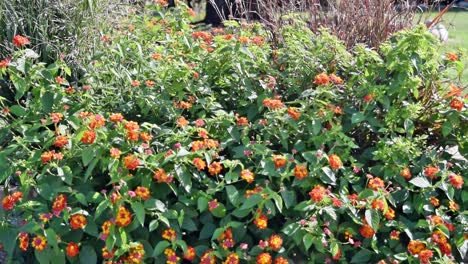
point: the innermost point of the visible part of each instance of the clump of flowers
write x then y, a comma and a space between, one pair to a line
78, 221
317, 194
9, 201
322, 79
72, 249
39, 243
334, 161
272, 103
131, 162
300, 171
247, 175
279, 161
215, 168
161, 176
124, 217
261, 221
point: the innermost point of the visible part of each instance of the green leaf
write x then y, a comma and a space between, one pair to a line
290, 229
363, 256
308, 240
180, 217
252, 201
52, 238
65, 174
88, 155
289, 198
153, 225
47, 102
372, 218
90, 169
278, 201
447, 128
409, 127
182, 244
154, 204
101, 208
219, 211
217, 233
331, 212
159, 248
329, 176
139, 210
184, 178
18, 110
9, 234
366, 194
91, 228
44, 256
21, 87
233, 195
420, 182
207, 231
202, 204
334, 248
357, 117
81, 198
315, 126
87, 255
310, 156
189, 225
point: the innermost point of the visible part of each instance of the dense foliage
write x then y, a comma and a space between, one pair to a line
215, 147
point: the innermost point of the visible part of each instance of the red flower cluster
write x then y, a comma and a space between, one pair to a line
317, 194
78, 221
205, 36
72, 249
215, 168
273, 103
300, 171
279, 161
261, 221
334, 161
376, 183
20, 41
199, 163
131, 162
59, 204
9, 201
161, 176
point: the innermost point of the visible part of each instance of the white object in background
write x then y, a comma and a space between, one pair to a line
439, 31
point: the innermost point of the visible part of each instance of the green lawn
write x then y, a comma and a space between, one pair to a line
457, 25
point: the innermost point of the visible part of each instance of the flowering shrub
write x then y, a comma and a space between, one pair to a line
214, 147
